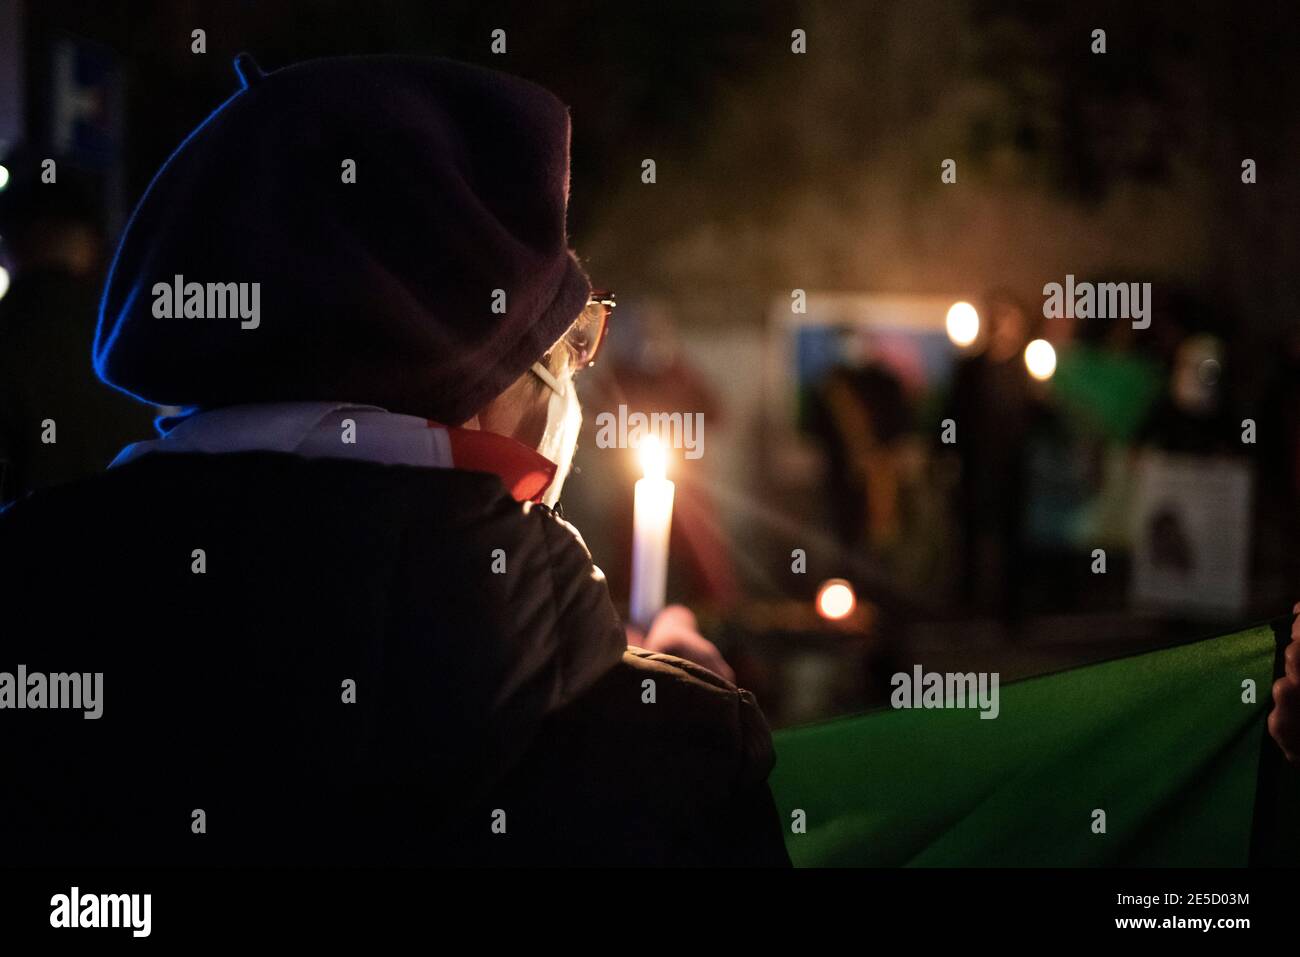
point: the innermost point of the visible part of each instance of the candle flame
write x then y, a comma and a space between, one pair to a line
835, 599
654, 457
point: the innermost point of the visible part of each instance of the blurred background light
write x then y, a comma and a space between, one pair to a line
1040, 359
835, 599
963, 324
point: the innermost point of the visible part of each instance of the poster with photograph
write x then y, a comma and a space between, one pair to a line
1191, 533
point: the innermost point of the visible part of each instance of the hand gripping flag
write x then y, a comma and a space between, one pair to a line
1169, 745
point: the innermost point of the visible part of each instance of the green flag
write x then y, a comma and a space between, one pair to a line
1158, 759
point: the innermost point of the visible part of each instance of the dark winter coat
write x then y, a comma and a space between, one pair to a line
236, 603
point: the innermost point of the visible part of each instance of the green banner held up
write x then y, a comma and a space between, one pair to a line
1167, 744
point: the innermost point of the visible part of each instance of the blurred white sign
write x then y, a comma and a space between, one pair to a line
1191, 533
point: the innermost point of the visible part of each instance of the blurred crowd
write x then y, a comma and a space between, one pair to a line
1050, 481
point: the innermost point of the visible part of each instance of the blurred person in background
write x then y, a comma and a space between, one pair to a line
860, 413
992, 402
649, 369
58, 421
1193, 415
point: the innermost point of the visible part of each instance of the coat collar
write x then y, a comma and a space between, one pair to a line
361, 432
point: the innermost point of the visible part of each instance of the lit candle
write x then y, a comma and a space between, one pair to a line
652, 519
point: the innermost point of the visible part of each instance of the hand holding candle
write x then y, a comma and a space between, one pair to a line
651, 522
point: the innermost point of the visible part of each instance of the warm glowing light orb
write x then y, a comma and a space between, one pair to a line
835, 599
1040, 359
4, 281
4, 176
653, 456
963, 324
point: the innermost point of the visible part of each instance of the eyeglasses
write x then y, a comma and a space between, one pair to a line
583, 338
587, 334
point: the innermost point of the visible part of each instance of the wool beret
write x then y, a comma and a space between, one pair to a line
388, 230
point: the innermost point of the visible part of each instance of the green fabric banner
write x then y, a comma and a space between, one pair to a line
1165, 743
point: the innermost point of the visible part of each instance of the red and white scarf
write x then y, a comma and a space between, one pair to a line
319, 429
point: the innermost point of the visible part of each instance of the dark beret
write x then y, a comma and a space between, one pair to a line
379, 291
